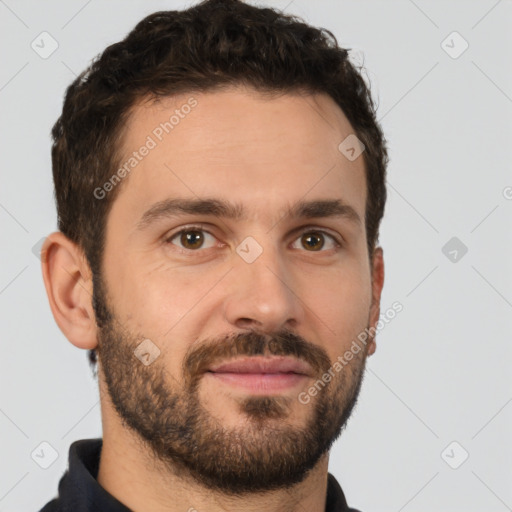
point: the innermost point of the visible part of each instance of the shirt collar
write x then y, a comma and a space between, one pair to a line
80, 491
78, 488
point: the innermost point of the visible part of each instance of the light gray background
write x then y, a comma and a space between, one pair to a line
441, 372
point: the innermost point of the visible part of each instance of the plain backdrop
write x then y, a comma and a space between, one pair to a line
432, 427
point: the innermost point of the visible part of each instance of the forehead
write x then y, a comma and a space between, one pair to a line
239, 145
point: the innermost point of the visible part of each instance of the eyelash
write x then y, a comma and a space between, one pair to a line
308, 229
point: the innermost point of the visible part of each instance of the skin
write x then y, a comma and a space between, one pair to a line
266, 154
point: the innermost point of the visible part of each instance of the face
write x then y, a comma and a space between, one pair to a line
235, 275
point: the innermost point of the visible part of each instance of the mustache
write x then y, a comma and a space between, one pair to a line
283, 343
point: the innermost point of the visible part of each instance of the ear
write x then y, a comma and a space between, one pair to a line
377, 284
68, 281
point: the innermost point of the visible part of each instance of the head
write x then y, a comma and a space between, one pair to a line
228, 120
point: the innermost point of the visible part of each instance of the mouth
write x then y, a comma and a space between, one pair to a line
262, 375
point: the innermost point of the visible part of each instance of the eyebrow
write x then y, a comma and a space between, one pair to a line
169, 208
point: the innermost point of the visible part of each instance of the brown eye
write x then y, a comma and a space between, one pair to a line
191, 239
313, 241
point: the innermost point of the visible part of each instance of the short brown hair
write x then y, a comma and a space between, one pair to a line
214, 44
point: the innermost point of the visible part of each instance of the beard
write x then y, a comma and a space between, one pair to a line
167, 416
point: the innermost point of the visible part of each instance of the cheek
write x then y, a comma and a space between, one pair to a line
342, 303
161, 299
142, 296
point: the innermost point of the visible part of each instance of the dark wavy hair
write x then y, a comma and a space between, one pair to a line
214, 44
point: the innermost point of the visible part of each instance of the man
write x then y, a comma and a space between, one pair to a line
220, 181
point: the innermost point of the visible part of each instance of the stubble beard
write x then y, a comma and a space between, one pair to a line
167, 416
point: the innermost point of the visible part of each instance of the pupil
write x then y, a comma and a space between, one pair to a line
191, 238
311, 237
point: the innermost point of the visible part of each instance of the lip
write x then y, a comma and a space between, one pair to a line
260, 375
264, 365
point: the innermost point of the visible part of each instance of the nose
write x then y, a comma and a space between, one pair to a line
261, 295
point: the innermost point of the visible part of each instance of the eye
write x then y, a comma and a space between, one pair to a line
314, 240
191, 238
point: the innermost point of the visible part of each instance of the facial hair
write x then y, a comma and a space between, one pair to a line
166, 414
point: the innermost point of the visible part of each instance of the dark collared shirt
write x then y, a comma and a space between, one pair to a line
80, 492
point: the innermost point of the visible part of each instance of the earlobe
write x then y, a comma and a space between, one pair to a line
68, 282
377, 285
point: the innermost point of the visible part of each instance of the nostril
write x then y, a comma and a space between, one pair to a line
246, 323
